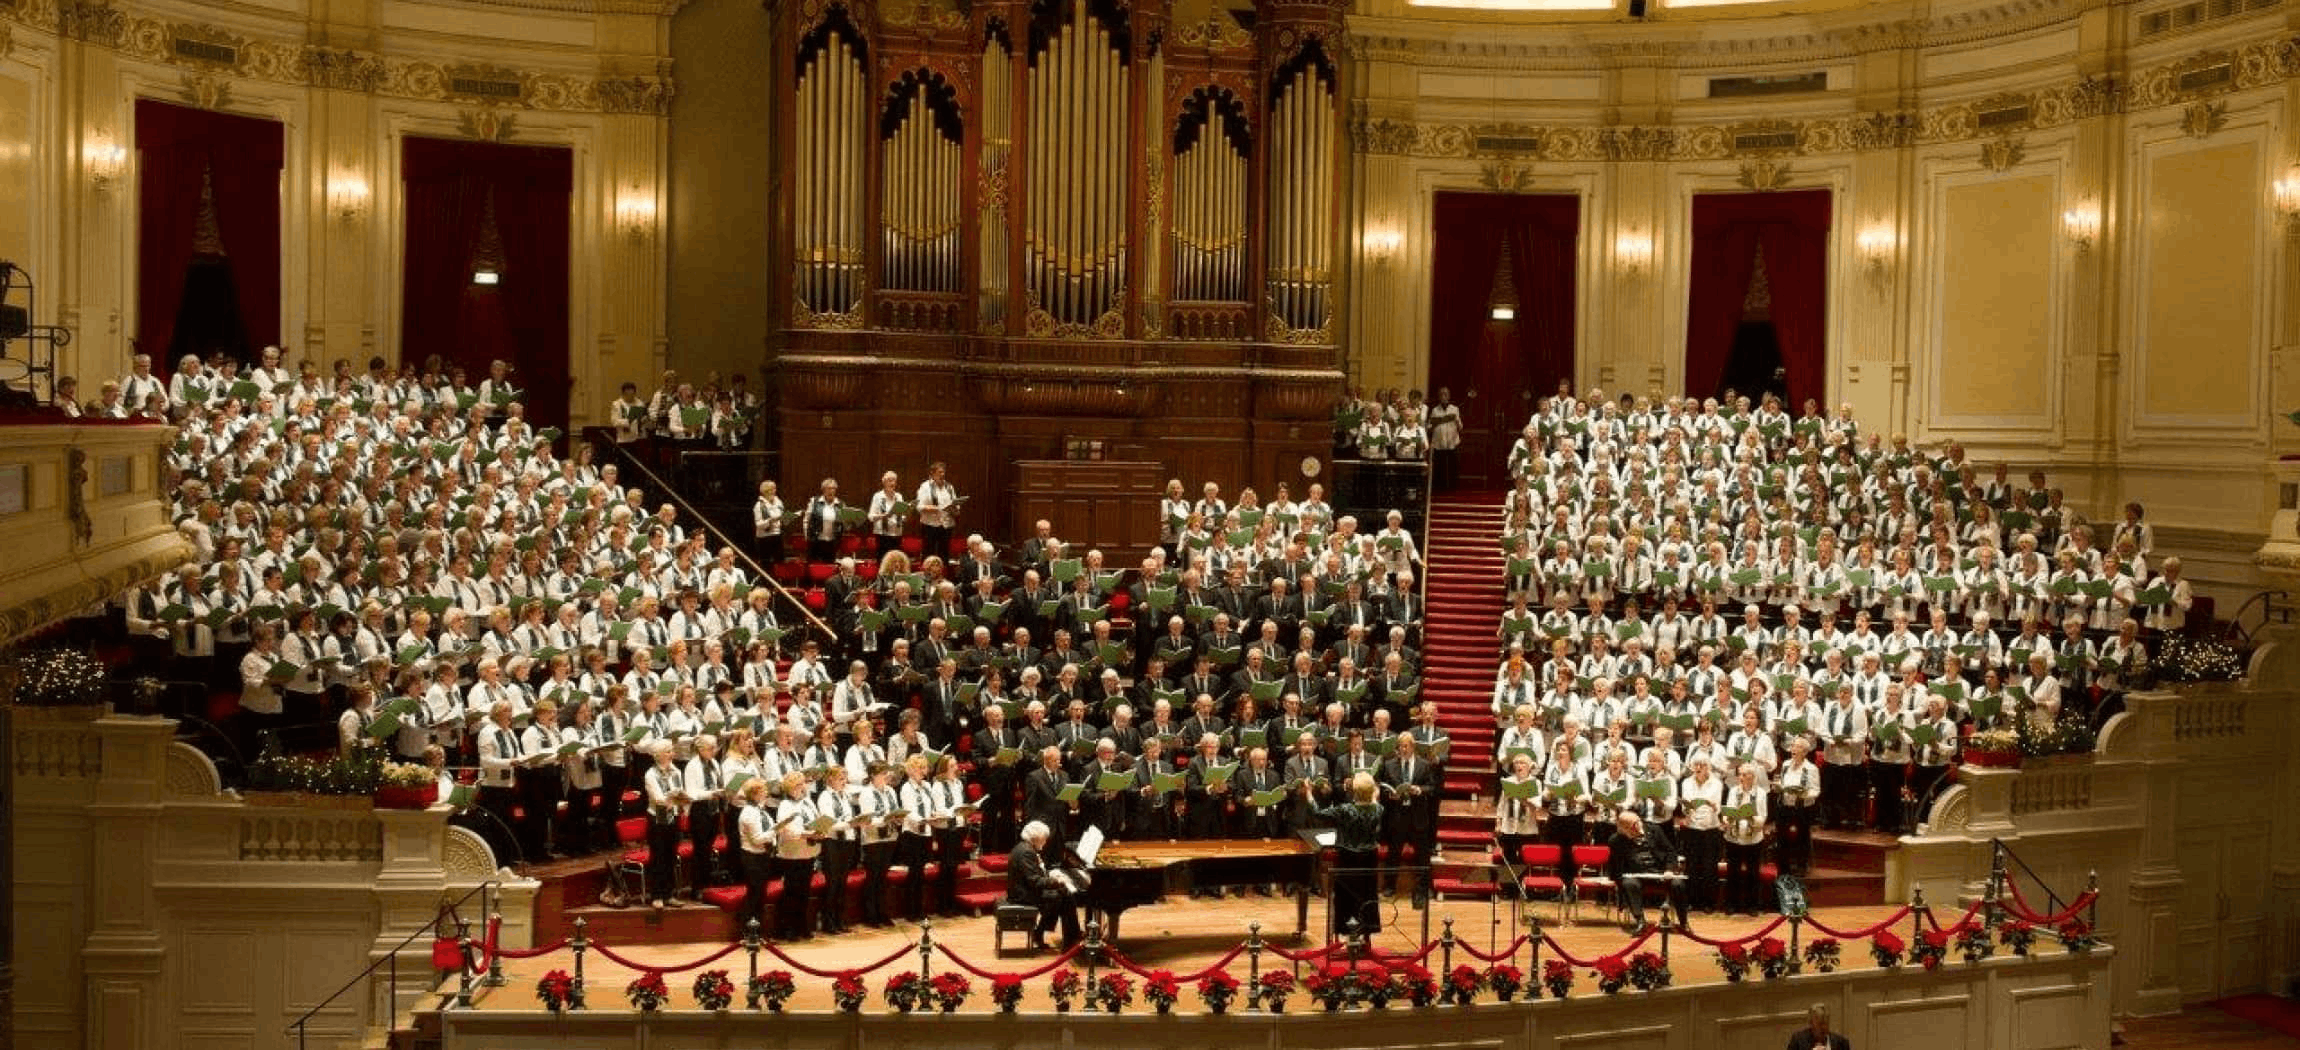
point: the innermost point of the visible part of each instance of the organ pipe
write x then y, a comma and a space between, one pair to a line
920, 226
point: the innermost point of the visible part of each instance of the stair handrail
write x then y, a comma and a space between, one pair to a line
2274, 605
624, 457
2002, 851
486, 889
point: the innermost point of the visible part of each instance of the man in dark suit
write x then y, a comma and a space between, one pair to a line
1412, 817
997, 780
1030, 881
1638, 852
1816, 1034
1041, 791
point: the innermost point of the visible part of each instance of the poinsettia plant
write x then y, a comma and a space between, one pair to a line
1824, 954
1557, 976
1505, 980
1274, 988
1648, 971
1114, 991
949, 989
647, 992
2018, 935
1161, 989
772, 989
1888, 949
1415, 984
1772, 958
1216, 989
1462, 985
1329, 985
556, 991
2076, 937
1065, 986
907, 991
848, 991
713, 991
1006, 992
1932, 947
1733, 960
1974, 943
1612, 974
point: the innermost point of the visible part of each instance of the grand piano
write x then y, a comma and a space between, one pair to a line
1127, 874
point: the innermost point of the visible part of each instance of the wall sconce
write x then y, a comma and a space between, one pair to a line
1878, 244
1633, 254
635, 214
2082, 223
105, 160
2287, 201
1382, 244
346, 196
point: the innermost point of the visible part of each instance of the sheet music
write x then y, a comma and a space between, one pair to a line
1089, 845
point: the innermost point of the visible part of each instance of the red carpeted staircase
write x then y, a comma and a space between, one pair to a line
1462, 557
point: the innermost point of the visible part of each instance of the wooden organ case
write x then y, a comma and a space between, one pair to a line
1007, 229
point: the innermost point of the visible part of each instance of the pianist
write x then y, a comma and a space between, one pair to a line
1030, 880
1643, 856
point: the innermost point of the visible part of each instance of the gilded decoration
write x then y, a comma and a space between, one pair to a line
2002, 154
487, 124
207, 92
275, 61
2251, 66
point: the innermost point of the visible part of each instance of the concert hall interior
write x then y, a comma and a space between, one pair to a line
1663, 524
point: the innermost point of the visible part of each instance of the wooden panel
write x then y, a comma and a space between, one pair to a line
1111, 506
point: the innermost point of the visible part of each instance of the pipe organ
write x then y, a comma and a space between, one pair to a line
1083, 212
830, 112
1077, 209
918, 194
1301, 212
1212, 157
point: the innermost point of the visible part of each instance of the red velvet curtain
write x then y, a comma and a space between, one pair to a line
1728, 228
1501, 360
452, 189
179, 148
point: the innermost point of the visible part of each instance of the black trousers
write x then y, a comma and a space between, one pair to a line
1356, 893
1795, 852
1841, 785
950, 851
913, 852
937, 540
582, 830
702, 832
1885, 782
1632, 892
822, 551
1923, 779
877, 857
502, 803
839, 856
662, 858
791, 908
1566, 833
758, 869
1701, 852
1056, 909
1742, 891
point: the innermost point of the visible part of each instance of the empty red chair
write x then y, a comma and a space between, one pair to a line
1540, 875
1590, 879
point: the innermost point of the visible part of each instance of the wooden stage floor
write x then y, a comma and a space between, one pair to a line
1177, 934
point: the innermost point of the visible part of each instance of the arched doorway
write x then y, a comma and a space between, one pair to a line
1502, 320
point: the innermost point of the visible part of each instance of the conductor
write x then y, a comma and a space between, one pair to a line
1642, 856
1357, 835
1030, 881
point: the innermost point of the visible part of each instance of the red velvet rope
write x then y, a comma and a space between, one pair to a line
1961, 923
1886, 923
1748, 938
489, 950
812, 972
1632, 946
2022, 910
1059, 962
1387, 959
1509, 952
1119, 960
610, 956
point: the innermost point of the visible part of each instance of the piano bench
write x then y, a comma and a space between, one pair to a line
1011, 918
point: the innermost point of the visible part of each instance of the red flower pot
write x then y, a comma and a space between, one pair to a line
388, 796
